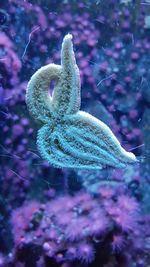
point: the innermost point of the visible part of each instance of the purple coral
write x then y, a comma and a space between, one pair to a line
70, 232
85, 253
113, 56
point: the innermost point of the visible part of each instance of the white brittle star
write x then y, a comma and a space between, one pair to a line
69, 137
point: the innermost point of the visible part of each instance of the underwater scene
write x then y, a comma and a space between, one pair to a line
74, 133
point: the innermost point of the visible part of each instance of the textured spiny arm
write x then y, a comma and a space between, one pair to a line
38, 97
66, 97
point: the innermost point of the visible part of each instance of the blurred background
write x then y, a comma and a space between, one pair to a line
112, 47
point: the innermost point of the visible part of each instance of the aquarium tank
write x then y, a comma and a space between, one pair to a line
74, 133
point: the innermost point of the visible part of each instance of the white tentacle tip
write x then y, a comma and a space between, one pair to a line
68, 37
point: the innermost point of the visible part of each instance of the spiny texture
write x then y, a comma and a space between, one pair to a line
69, 137
80, 227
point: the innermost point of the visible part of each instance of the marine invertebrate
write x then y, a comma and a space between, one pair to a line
118, 242
70, 138
86, 253
85, 235
125, 35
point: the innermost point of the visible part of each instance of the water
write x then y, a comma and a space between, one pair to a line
51, 212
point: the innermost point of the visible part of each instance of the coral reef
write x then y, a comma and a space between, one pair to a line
112, 48
81, 228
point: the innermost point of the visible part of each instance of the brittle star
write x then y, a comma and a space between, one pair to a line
69, 137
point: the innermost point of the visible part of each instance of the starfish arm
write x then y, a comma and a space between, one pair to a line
38, 98
55, 150
82, 142
86, 134
66, 96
